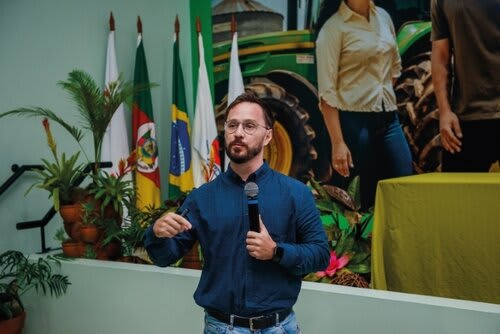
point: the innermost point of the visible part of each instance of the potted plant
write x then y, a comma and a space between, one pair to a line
19, 275
70, 247
89, 230
59, 178
95, 107
112, 192
349, 235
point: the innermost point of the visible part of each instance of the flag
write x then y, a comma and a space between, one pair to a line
205, 151
115, 145
181, 174
147, 175
236, 86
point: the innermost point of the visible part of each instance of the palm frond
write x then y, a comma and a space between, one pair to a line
41, 112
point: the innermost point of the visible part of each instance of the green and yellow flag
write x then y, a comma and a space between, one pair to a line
147, 175
181, 173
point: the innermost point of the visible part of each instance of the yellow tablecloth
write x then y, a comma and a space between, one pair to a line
438, 234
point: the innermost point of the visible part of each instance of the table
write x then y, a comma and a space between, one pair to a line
438, 234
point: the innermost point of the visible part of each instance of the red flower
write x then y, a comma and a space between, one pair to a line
335, 264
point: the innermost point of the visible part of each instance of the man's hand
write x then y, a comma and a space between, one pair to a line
451, 133
260, 245
169, 225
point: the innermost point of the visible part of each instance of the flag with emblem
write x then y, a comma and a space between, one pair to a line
115, 145
180, 175
206, 159
147, 175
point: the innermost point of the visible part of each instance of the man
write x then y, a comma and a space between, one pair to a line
469, 32
250, 280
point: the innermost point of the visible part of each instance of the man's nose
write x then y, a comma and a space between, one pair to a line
239, 130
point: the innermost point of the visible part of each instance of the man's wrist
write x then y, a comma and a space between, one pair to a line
277, 254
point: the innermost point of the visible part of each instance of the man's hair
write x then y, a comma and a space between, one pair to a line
252, 98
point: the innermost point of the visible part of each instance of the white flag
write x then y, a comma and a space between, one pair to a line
236, 87
115, 145
205, 144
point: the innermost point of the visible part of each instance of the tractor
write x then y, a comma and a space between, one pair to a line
280, 67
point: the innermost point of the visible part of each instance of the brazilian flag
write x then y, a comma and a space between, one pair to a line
180, 173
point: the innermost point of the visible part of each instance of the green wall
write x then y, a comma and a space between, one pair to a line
41, 42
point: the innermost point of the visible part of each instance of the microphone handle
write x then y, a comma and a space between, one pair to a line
253, 214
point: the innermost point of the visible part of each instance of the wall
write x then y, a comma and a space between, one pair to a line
42, 41
111, 297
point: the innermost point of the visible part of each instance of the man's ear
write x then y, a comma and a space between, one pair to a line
269, 136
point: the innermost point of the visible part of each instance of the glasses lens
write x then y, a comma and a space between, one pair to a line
249, 127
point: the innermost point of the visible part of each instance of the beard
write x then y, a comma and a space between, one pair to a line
240, 155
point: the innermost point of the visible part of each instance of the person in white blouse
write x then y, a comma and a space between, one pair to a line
357, 63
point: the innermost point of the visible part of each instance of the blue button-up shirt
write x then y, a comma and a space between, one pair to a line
232, 281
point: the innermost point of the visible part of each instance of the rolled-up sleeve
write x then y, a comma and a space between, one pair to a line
396, 58
328, 48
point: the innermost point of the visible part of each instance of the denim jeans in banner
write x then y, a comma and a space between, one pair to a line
379, 150
287, 326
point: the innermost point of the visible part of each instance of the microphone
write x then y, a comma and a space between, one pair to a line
252, 190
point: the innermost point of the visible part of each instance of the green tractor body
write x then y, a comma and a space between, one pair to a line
281, 68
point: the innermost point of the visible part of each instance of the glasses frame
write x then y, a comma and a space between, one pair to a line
242, 123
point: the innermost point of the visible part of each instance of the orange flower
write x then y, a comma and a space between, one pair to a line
50, 138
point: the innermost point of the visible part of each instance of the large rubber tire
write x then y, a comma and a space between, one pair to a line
418, 113
291, 151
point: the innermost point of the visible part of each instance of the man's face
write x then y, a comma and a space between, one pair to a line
240, 145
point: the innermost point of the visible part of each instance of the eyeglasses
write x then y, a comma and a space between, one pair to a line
248, 126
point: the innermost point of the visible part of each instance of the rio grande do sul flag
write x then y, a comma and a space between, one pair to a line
206, 160
147, 174
180, 172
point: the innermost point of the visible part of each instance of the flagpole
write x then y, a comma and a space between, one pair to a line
111, 22
139, 25
233, 24
177, 28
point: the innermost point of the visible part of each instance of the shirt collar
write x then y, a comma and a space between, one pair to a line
347, 12
257, 175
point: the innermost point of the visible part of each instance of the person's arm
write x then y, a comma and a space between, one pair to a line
310, 252
396, 58
168, 239
449, 125
328, 48
341, 155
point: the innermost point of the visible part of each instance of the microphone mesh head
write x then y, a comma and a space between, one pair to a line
251, 189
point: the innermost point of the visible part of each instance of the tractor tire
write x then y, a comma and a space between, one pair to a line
418, 112
290, 151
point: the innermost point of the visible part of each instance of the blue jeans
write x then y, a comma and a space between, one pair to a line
379, 150
287, 326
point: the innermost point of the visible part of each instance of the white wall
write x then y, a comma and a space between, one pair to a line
112, 297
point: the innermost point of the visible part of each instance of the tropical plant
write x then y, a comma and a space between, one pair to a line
61, 235
60, 177
96, 107
348, 231
19, 275
115, 189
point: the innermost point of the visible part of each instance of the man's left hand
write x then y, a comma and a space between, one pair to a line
260, 245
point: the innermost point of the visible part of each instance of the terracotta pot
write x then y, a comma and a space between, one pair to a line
90, 233
71, 213
73, 248
113, 250
14, 325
